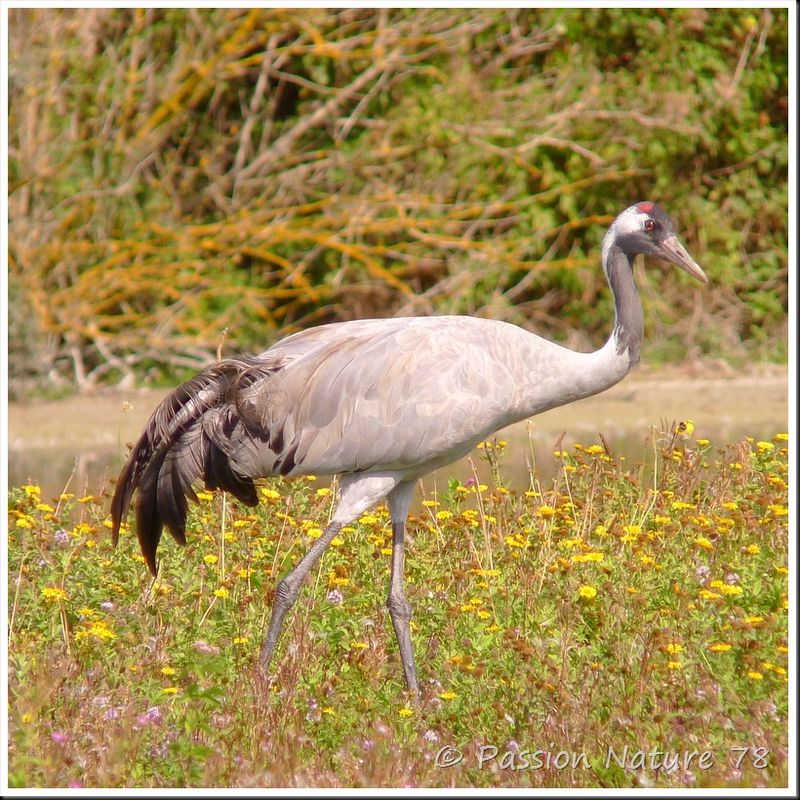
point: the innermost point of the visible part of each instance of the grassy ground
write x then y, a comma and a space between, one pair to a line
639, 606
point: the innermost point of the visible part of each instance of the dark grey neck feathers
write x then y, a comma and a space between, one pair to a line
629, 325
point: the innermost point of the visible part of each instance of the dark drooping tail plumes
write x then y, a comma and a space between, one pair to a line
196, 433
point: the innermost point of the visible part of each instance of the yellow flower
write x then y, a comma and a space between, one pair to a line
781, 437
685, 428
674, 665
568, 544
206, 496
708, 595
222, 592
430, 503
241, 639
168, 671
337, 541
448, 695
587, 592
31, 490
98, 629
329, 710
583, 558
210, 558
765, 447
673, 648
731, 591
270, 494
324, 492
720, 647
314, 533
680, 505
731, 505
545, 512
754, 675
359, 645
444, 515
754, 620
170, 690
53, 593
706, 544
405, 712
752, 549
632, 530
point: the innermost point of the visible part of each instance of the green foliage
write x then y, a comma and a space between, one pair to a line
644, 607
176, 173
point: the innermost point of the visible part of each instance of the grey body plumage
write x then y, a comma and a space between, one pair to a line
379, 402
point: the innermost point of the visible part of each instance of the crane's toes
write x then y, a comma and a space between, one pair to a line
264, 680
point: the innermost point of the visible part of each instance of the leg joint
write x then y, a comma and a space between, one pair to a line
399, 606
285, 593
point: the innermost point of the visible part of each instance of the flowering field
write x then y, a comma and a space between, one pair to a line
623, 625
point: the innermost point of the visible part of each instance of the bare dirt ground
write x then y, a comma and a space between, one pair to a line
90, 433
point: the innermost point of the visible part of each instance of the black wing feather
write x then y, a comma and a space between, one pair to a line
192, 437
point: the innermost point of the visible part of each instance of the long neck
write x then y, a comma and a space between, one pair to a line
556, 375
628, 328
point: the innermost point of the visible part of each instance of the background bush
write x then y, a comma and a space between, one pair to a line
179, 173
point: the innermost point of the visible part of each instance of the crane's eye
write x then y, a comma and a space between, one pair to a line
649, 224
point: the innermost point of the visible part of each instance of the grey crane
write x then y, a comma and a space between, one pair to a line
379, 402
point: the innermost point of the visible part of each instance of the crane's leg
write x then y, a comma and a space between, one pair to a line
397, 602
357, 493
288, 589
400, 608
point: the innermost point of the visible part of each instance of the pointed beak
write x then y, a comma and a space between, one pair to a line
672, 250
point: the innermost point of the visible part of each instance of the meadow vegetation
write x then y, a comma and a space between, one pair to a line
179, 174
639, 605
187, 182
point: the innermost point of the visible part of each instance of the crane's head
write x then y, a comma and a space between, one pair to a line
646, 228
